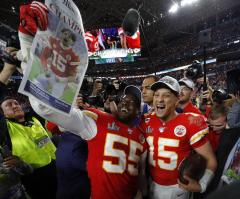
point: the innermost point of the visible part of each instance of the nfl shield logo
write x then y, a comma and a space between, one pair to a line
162, 129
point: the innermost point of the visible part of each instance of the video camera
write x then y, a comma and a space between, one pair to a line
195, 70
87, 98
116, 93
122, 85
108, 89
8, 38
105, 82
220, 95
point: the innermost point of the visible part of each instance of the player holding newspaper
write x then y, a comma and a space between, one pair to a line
58, 53
117, 148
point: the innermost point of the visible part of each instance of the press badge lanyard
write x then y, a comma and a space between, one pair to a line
238, 145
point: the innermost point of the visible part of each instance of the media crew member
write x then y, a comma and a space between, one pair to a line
187, 91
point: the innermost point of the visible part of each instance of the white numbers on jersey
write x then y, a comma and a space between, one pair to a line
96, 46
162, 142
109, 150
61, 62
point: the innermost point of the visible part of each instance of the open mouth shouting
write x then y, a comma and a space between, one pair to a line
160, 108
124, 110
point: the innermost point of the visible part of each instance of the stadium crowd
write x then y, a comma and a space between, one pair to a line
125, 138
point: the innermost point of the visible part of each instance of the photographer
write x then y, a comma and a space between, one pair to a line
10, 168
187, 91
206, 94
97, 87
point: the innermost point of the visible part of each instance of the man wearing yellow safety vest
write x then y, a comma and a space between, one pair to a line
28, 140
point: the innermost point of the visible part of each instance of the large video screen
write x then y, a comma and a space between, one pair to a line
112, 43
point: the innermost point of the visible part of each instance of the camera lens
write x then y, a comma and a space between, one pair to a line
191, 72
237, 80
91, 100
216, 96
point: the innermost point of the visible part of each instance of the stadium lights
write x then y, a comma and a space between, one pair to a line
182, 3
173, 8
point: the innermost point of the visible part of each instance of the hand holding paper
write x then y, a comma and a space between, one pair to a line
32, 16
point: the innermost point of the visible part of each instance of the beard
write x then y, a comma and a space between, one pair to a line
124, 120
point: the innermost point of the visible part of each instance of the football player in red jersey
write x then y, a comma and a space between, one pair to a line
132, 42
170, 137
117, 148
93, 40
63, 68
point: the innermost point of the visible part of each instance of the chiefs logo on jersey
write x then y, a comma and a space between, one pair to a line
141, 138
120, 59
68, 57
147, 120
180, 131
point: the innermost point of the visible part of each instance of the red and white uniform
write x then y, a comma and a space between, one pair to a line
190, 108
64, 60
116, 160
114, 154
169, 144
92, 42
134, 41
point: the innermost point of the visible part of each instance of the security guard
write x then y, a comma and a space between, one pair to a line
27, 139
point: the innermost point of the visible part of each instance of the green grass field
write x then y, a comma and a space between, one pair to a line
68, 95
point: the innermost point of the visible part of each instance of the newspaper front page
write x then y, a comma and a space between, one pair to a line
58, 59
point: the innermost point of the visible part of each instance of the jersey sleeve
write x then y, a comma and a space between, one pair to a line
51, 41
47, 52
45, 55
88, 37
94, 113
75, 62
141, 123
199, 128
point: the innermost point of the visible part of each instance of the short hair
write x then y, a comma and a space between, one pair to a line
218, 111
6, 97
156, 78
74, 37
